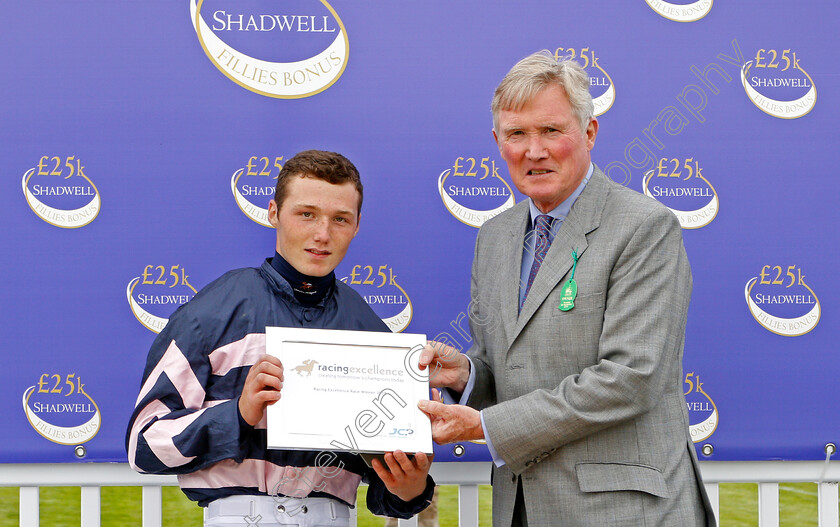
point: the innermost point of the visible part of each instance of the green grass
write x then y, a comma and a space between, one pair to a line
797, 504
120, 506
447, 508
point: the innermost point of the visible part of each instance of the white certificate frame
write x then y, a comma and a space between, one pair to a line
360, 397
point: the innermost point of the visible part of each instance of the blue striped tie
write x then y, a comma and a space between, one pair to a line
543, 242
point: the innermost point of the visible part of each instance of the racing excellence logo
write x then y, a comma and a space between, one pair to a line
287, 55
777, 85
58, 191
476, 191
781, 301
305, 369
690, 12
678, 183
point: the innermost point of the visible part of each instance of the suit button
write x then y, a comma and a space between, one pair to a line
513, 478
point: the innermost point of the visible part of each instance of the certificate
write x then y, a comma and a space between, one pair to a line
351, 391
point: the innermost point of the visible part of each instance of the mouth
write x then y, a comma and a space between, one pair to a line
538, 172
317, 253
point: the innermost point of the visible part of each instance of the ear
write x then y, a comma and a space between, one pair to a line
273, 214
591, 133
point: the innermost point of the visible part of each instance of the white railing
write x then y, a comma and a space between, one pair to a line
768, 475
468, 476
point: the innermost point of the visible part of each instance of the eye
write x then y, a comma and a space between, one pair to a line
341, 219
307, 214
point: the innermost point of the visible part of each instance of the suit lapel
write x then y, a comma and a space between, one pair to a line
511, 263
584, 218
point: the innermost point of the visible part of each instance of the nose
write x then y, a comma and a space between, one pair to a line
536, 148
322, 230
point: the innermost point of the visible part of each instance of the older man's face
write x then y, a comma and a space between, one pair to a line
546, 152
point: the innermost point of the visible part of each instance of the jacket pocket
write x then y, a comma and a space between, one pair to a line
583, 303
607, 477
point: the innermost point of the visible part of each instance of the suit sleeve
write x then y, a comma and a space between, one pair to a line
172, 429
639, 351
482, 316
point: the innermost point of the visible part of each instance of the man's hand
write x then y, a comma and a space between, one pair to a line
262, 388
403, 476
448, 368
452, 422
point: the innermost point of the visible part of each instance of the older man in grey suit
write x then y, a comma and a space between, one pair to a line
578, 314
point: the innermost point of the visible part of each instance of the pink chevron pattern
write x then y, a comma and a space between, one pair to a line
159, 436
243, 352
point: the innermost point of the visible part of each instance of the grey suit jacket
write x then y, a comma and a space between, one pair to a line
586, 406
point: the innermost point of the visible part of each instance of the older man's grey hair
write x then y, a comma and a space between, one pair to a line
536, 72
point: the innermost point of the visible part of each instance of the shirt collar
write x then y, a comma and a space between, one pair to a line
308, 290
562, 210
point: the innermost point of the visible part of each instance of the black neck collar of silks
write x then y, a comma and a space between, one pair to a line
309, 290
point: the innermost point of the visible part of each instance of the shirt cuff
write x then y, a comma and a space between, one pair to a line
448, 396
496, 459
243, 424
407, 509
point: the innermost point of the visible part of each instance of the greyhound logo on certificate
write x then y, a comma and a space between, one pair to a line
352, 391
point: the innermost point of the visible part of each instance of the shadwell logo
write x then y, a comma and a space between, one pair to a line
690, 12
292, 54
782, 302
476, 192
58, 191
778, 85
